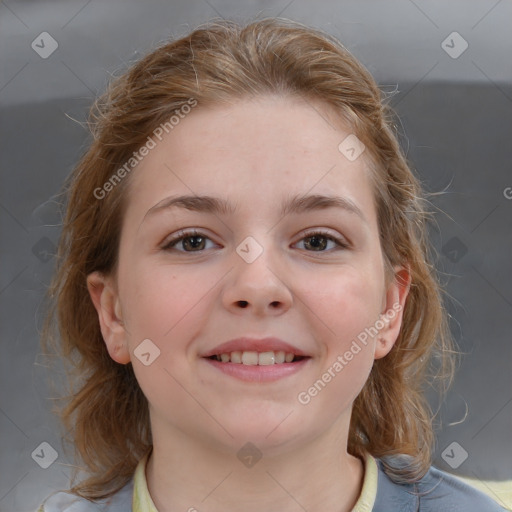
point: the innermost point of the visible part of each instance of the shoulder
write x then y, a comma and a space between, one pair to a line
63, 501
438, 487
437, 490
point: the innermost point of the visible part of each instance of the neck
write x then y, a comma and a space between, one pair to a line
186, 474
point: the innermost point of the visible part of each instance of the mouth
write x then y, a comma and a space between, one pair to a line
256, 364
254, 358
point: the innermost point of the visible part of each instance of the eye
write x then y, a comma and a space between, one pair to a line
191, 241
318, 241
195, 241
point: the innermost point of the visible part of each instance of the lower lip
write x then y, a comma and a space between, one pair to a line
258, 373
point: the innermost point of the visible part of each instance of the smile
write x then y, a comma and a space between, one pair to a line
253, 358
251, 366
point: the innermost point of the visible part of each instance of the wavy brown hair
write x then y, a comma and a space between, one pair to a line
105, 412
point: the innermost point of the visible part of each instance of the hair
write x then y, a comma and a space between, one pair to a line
106, 413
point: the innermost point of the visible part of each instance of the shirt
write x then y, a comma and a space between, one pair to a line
437, 491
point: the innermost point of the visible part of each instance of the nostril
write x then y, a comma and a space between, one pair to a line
243, 303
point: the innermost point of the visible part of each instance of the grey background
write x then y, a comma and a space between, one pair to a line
456, 114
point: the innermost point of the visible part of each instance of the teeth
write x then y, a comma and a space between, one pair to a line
256, 358
266, 358
236, 357
250, 358
280, 357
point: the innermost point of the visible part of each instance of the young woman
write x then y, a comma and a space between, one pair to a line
245, 288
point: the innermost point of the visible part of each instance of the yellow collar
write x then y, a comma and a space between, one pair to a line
368, 494
142, 501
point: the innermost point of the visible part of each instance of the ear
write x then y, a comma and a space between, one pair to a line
392, 313
106, 301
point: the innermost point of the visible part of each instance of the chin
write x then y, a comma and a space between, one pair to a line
267, 433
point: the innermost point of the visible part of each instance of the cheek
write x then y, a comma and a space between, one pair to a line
348, 306
346, 303
345, 311
165, 305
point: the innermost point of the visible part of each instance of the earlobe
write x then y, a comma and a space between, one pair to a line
391, 317
106, 302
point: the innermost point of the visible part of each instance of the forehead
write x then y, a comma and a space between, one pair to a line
257, 152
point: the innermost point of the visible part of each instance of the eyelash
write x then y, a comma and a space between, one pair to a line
181, 235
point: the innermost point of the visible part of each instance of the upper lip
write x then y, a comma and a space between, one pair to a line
255, 345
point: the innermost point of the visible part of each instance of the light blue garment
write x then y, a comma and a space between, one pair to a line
437, 491
64, 502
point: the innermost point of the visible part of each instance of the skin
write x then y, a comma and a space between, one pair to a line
256, 153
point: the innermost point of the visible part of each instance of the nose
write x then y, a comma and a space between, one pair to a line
260, 287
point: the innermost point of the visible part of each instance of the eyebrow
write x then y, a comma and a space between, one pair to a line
296, 204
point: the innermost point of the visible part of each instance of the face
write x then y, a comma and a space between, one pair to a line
312, 277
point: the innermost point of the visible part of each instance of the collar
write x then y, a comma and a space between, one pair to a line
368, 494
142, 501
